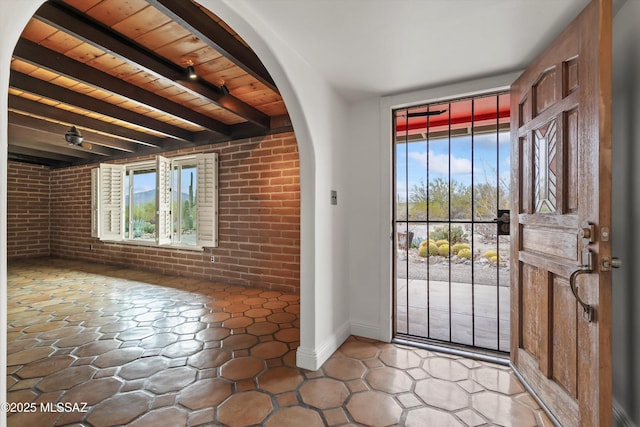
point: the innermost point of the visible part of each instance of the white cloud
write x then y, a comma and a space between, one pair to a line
439, 163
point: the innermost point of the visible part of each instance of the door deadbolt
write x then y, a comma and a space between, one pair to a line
587, 232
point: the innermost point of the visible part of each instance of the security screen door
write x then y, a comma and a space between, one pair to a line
451, 213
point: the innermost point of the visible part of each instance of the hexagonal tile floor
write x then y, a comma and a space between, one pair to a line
94, 345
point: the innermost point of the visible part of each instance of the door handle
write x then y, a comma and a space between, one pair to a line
503, 220
588, 313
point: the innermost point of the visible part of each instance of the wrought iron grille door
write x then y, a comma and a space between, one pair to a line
451, 222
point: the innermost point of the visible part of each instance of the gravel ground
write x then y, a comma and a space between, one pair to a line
437, 268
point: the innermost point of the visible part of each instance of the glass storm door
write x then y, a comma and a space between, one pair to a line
451, 197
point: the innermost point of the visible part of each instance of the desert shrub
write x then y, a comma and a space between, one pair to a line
416, 242
458, 247
443, 250
423, 251
494, 258
464, 253
455, 235
442, 242
490, 254
433, 249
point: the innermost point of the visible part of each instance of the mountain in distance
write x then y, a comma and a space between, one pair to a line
149, 196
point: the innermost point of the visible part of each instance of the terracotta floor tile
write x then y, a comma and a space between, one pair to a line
324, 393
430, 417
144, 349
118, 357
164, 417
120, 409
497, 380
269, 350
373, 408
245, 409
503, 410
390, 380
182, 349
212, 334
237, 322
471, 417
344, 368
239, 342
400, 358
263, 328
78, 340
442, 394
335, 416
295, 416
172, 379
44, 367
96, 348
446, 369
288, 335
27, 356
189, 328
93, 391
359, 350
209, 358
242, 368
66, 378
281, 379
204, 393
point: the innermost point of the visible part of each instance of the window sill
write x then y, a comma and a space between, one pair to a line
154, 245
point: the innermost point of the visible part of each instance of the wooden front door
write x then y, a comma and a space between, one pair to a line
561, 221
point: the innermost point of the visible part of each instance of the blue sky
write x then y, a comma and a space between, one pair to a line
483, 167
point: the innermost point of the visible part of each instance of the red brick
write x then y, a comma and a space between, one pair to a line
259, 218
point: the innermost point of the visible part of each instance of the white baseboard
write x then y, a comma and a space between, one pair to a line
620, 416
365, 330
312, 359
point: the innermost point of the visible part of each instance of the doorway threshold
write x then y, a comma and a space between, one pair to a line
475, 353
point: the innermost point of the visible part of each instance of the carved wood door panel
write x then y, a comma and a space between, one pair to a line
561, 186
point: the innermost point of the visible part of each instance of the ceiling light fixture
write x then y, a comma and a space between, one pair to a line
191, 72
73, 136
224, 89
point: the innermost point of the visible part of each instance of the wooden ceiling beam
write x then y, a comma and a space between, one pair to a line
36, 158
103, 144
42, 154
68, 20
58, 63
125, 135
44, 89
196, 21
37, 140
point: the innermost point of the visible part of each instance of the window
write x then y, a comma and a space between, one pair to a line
164, 202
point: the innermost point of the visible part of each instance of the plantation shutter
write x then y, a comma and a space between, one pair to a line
95, 202
207, 199
111, 206
163, 201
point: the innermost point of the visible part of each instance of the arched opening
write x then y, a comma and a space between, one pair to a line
19, 18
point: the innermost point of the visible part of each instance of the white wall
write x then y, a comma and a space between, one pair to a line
319, 120
370, 221
626, 211
13, 18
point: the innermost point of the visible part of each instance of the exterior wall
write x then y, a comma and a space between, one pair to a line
28, 216
259, 219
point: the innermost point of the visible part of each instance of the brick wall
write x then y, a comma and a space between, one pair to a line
259, 219
28, 219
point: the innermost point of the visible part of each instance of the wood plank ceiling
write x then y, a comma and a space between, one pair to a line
117, 70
